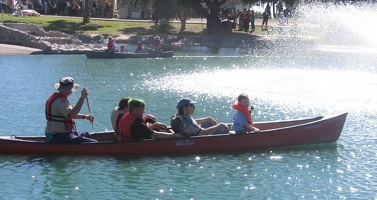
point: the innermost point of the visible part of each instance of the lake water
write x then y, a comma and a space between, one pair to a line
282, 84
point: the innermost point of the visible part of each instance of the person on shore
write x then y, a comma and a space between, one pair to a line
60, 114
139, 48
242, 121
252, 20
133, 127
184, 124
77, 9
19, 12
247, 21
94, 8
265, 19
44, 7
241, 20
68, 8
111, 47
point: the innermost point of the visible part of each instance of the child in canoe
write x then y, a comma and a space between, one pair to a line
242, 121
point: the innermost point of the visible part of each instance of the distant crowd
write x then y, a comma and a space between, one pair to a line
97, 8
245, 19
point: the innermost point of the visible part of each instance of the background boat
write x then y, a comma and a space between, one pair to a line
105, 55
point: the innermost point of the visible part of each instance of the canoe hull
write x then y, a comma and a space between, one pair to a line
312, 131
104, 55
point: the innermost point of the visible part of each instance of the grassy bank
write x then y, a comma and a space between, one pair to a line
75, 25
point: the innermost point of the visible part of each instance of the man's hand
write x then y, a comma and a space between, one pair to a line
84, 93
90, 117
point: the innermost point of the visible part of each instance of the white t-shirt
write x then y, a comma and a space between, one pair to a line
114, 117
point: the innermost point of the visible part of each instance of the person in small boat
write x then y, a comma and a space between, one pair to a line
157, 45
242, 121
184, 124
60, 114
133, 127
111, 47
139, 48
121, 110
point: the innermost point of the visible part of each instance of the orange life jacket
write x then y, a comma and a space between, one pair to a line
245, 111
110, 45
68, 121
125, 124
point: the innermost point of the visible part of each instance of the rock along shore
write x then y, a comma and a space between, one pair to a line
54, 42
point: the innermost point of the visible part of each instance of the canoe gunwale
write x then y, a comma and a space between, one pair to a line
119, 55
315, 130
315, 120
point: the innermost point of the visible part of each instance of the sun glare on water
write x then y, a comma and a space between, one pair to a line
305, 88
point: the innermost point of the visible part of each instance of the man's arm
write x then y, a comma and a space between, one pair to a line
76, 109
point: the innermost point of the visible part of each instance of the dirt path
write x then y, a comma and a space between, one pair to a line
6, 49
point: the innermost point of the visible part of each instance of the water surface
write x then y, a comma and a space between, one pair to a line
282, 84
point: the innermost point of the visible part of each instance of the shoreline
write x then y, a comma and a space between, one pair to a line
98, 42
20, 38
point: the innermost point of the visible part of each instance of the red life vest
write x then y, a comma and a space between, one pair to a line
245, 110
156, 42
110, 46
125, 126
69, 122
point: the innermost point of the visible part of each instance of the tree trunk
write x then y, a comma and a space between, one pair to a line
214, 25
183, 15
183, 26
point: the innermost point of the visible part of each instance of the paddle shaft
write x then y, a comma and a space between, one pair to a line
90, 113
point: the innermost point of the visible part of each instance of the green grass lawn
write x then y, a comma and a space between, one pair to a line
73, 25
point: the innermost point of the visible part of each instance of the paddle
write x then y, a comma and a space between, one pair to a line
90, 113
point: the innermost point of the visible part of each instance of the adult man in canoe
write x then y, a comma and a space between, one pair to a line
60, 114
183, 123
133, 127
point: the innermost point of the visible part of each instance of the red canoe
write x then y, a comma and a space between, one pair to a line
317, 130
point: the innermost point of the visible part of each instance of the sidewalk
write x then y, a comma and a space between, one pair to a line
7, 49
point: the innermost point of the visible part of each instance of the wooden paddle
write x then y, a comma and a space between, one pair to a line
90, 113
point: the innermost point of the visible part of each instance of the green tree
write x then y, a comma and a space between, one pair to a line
165, 10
